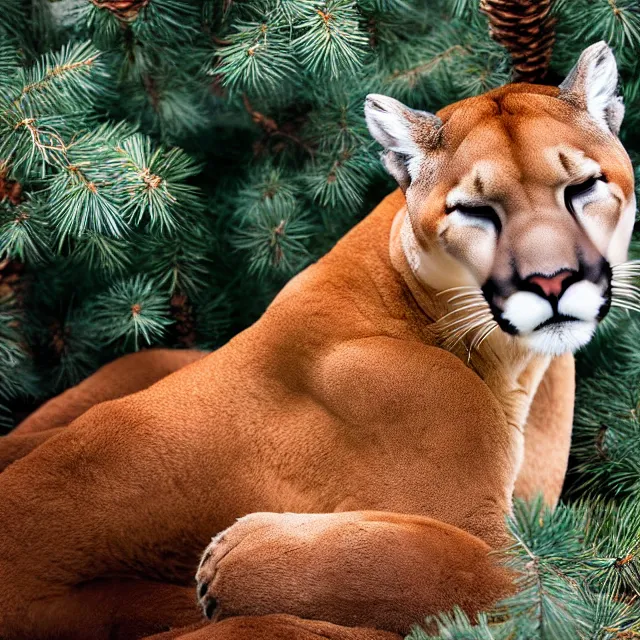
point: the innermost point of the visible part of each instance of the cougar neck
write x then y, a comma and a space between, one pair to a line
511, 371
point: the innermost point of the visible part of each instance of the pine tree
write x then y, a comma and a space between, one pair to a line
167, 165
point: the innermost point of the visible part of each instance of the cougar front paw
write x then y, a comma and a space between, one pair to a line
233, 572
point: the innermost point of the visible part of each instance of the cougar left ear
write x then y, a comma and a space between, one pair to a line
593, 85
406, 135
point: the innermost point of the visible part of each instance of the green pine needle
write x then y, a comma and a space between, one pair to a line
61, 81
332, 41
24, 231
257, 60
274, 240
153, 182
339, 181
101, 254
131, 313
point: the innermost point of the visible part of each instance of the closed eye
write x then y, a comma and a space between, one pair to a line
573, 191
481, 213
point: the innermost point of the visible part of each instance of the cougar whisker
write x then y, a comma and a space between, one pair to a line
621, 284
623, 305
445, 291
628, 263
459, 334
452, 333
627, 271
626, 295
477, 327
466, 307
461, 321
479, 337
473, 294
494, 326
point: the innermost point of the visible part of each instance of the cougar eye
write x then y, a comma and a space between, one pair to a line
482, 213
574, 190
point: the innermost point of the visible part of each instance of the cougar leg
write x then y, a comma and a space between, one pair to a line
119, 378
274, 627
112, 495
372, 569
181, 632
122, 377
548, 434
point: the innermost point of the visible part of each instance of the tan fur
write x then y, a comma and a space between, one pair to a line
122, 377
387, 464
126, 375
546, 446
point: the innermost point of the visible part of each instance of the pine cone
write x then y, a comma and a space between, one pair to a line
9, 189
10, 270
527, 29
124, 10
11, 283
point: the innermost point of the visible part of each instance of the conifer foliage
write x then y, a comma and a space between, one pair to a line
166, 166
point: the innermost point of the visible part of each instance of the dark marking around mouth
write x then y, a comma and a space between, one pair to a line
556, 318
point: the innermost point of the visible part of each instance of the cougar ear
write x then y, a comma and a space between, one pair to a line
593, 85
406, 135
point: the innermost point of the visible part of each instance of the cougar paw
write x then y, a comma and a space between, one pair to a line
224, 576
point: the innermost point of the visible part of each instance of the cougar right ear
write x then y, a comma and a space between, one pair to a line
593, 85
406, 135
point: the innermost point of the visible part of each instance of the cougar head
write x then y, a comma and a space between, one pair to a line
520, 204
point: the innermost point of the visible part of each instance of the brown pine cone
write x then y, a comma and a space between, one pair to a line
124, 10
10, 270
11, 284
527, 29
9, 189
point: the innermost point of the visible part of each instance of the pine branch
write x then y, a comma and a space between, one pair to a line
258, 59
17, 377
101, 254
85, 195
339, 181
58, 81
180, 265
40, 107
9, 58
270, 227
333, 41
132, 314
616, 21
213, 319
70, 342
24, 231
271, 128
154, 184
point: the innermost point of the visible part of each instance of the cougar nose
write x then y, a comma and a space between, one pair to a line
551, 285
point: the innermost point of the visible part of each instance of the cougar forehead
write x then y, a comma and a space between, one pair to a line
517, 148
520, 136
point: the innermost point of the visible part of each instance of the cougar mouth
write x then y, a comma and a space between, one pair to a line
551, 314
522, 307
555, 320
